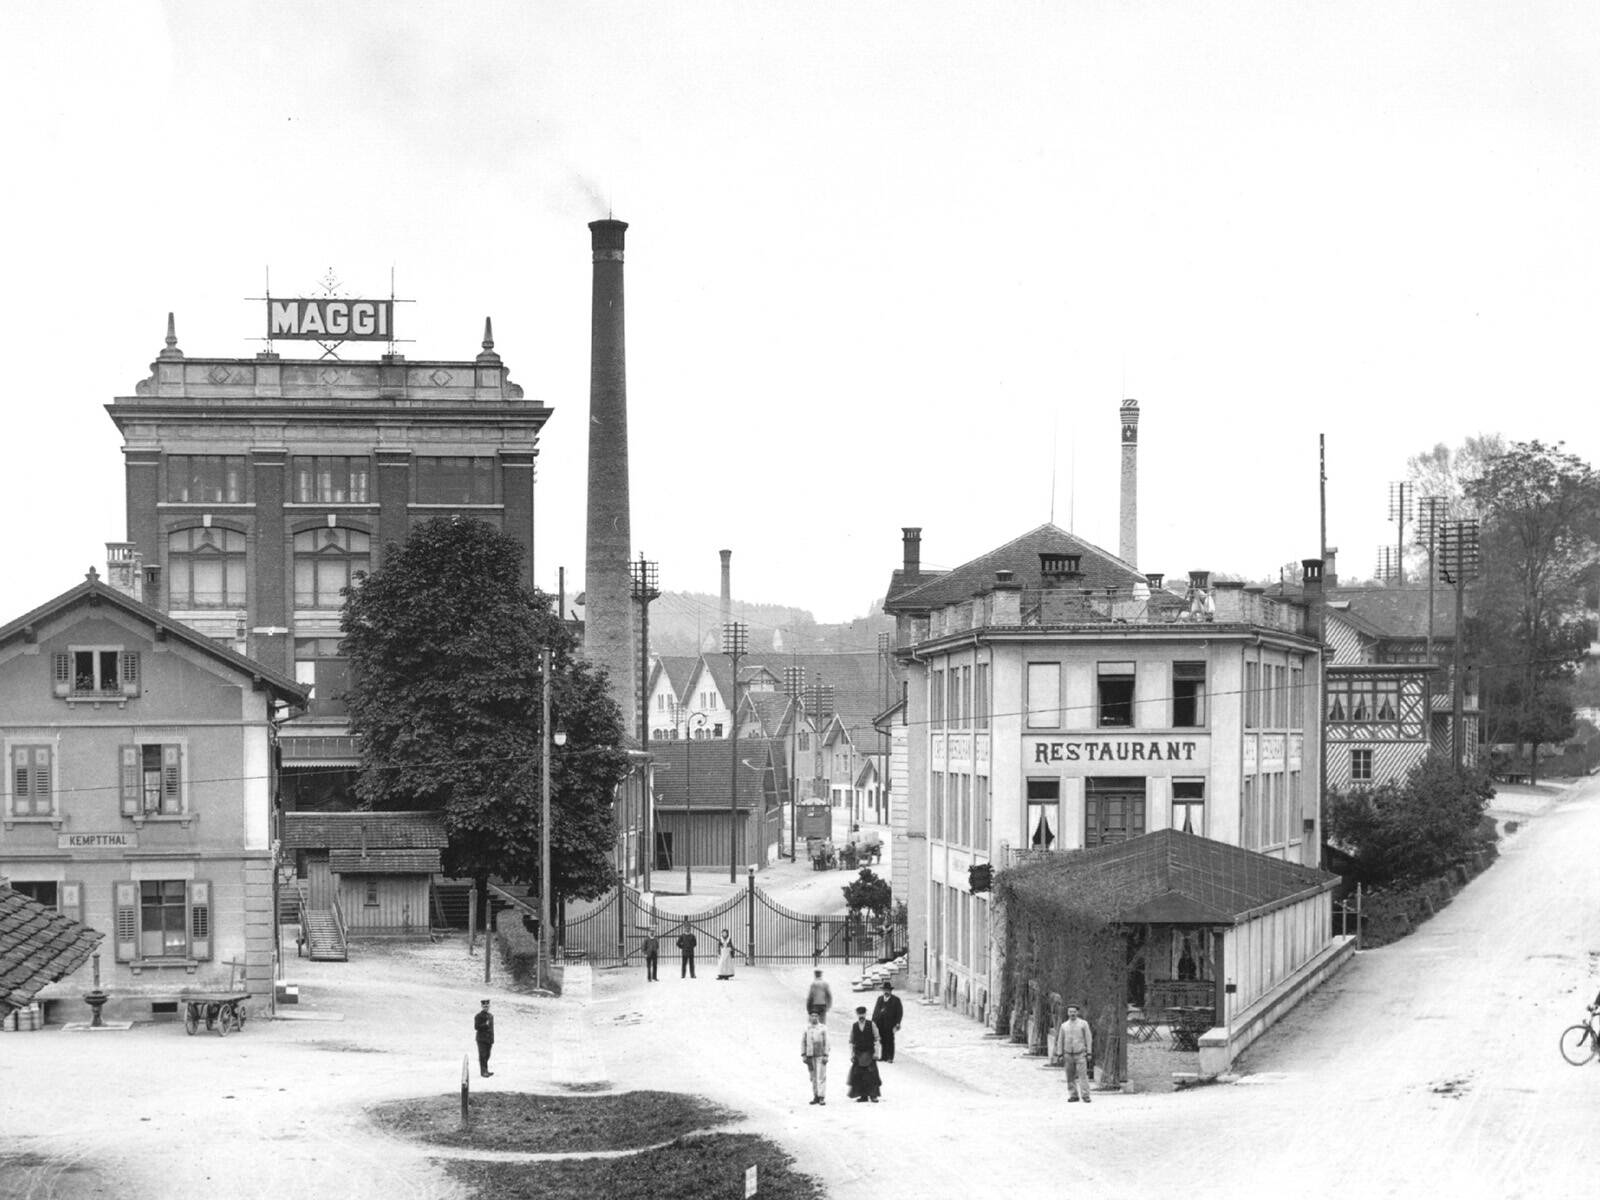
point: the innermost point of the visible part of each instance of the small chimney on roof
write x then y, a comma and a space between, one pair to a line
1154, 578
911, 539
1003, 576
1199, 579
1330, 567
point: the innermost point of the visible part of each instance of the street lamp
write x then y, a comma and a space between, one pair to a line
560, 738
735, 644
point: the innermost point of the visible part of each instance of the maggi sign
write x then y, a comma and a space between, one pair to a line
328, 320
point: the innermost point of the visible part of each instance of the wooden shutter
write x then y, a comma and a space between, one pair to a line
21, 780
41, 780
171, 779
72, 901
62, 673
130, 672
126, 907
129, 780
199, 918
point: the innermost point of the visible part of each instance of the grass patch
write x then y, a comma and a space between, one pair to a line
552, 1124
700, 1168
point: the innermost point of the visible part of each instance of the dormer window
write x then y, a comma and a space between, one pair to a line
1059, 564
96, 673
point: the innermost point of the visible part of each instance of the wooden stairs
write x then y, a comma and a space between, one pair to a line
323, 936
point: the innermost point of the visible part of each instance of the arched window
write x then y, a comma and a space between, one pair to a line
205, 568
326, 561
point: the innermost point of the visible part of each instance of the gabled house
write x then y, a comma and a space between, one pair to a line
670, 678
138, 792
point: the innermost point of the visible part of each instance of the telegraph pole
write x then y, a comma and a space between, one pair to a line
735, 644
645, 577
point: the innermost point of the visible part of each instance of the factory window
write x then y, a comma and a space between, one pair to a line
326, 561
1297, 697
205, 568
936, 700
980, 697
205, 478
1252, 695
321, 662
330, 478
457, 480
1189, 694
1044, 695
1116, 695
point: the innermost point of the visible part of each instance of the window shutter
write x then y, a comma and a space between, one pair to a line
199, 919
62, 673
171, 779
21, 793
72, 901
130, 673
41, 780
129, 776
126, 896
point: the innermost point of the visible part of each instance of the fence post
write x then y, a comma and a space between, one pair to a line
1358, 916
750, 918
466, 1084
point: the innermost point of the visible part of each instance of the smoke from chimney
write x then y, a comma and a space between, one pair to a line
608, 637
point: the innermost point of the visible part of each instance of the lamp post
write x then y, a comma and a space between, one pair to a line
560, 739
688, 784
735, 644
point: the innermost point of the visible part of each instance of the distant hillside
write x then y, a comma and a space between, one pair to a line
690, 623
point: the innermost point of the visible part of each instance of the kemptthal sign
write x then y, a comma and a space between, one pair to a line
327, 320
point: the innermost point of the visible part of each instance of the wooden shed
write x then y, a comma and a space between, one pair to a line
375, 868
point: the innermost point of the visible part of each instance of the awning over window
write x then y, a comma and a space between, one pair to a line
327, 750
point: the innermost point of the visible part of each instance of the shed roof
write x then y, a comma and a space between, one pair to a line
37, 947
383, 862
372, 830
1173, 878
698, 774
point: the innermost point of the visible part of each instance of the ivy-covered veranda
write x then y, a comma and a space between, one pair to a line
1205, 941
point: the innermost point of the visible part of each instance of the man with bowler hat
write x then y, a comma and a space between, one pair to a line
886, 1015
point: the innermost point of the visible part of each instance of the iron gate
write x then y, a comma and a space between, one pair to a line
763, 930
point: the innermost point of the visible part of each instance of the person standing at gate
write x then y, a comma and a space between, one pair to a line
865, 1082
819, 997
652, 948
886, 1015
483, 1033
686, 944
814, 1053
725, 953
1077, 1054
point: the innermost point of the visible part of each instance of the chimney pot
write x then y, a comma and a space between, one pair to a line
1153, 578
911, 538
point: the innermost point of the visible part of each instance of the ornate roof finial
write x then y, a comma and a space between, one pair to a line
488, 355
92, 575
172, 350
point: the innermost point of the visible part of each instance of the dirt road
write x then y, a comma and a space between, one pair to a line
1430, 1065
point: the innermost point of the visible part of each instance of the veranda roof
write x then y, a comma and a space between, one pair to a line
1168, 878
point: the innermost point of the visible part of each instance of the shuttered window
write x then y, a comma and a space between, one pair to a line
162, 919
31, 781
95, 672
150, 780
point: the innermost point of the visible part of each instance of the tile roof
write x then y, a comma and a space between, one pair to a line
381, 830
771, 710
697, 773
37, 947
1099, 569
1170, 877
383, 862
679, 670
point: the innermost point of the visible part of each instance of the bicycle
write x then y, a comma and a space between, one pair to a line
1580, 1043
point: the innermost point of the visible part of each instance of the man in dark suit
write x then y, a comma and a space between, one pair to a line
864, 1079
483, 1031
686, 943
886, 1015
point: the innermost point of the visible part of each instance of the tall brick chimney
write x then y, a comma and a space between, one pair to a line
911, 540
727, 593
1128, 524
608, 634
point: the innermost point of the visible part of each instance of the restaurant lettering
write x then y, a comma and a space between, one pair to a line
1106, 751
330, 320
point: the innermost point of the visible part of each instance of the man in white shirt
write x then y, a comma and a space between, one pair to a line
1077, 1048
814, 1053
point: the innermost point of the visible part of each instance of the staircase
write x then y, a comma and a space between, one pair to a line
324, 935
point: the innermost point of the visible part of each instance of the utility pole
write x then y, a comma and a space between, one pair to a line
794, 677
735, 644
645, 577
1458, 553
1399, 511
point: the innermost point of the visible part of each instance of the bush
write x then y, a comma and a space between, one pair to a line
1405, 832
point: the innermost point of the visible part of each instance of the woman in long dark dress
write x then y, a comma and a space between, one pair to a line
865, 1083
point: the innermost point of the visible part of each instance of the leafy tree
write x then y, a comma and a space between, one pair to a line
444, 644
1531, 627
1448, 474
1402, 832
868, 893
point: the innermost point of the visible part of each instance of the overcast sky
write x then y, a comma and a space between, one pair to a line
889, 263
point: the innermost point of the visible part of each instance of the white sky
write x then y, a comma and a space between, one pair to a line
888, 263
